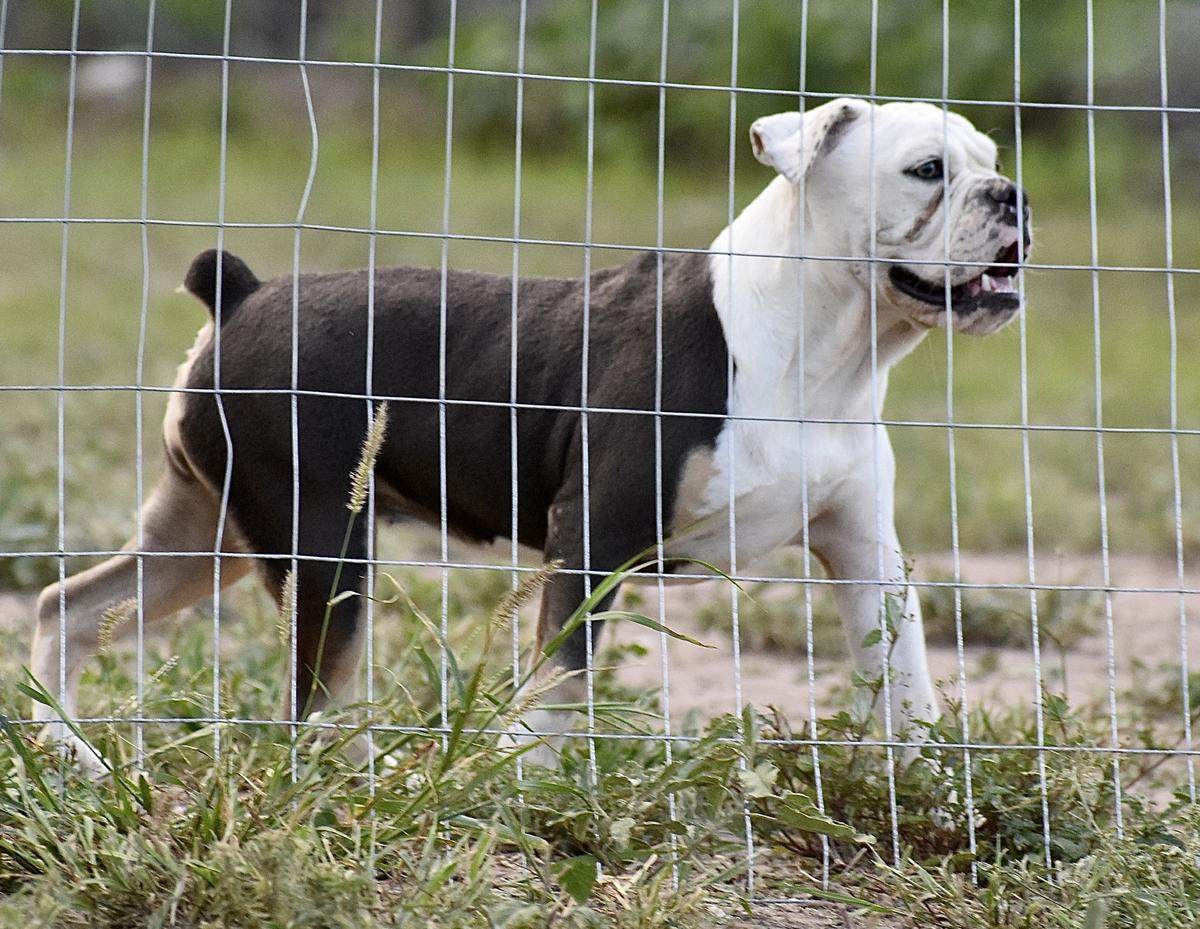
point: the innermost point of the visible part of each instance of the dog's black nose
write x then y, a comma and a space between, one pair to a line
1007, 195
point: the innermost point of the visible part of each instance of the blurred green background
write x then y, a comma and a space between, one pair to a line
268, 157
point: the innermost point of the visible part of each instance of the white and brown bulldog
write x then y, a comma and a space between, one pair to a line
883, 222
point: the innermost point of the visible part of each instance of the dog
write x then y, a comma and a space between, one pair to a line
723, 386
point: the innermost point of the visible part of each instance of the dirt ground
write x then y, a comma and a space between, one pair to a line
1146, 635
816, 914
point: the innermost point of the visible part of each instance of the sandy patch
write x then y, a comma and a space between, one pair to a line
1145, 635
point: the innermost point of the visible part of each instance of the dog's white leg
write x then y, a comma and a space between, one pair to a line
885, 633
881, 617
341, 685
544, 725
179, 516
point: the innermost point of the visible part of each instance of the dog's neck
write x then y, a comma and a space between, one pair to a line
773, 309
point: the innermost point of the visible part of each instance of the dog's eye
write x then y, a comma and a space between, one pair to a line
930, 170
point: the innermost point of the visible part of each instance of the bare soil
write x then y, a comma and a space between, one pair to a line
1146, 635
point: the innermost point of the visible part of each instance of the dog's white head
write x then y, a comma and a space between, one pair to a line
942, 211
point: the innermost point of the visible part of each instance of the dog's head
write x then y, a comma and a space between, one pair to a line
949, 230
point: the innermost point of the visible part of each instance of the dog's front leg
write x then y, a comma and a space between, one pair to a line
880, 614
560, 681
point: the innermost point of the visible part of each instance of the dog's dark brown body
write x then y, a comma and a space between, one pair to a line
790, 451
256, 374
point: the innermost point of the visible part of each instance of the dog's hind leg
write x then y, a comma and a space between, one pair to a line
328, 635
180, 518
320, 604
329, 573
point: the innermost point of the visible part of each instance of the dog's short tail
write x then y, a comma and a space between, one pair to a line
237, 281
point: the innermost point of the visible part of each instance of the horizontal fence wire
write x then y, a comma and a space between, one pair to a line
571, 243
741, 577
655, 737
612, 410
518, 564
601, 81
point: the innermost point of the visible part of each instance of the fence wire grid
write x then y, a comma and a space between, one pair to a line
1024, 429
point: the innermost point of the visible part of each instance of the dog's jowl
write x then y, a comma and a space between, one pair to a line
773, 370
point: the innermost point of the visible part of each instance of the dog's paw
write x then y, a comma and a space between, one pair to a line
77, 750
537, 735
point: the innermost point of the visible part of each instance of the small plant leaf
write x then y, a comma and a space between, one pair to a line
759, 781
652, 624
798, 811
38, 696
621, 831
578, 877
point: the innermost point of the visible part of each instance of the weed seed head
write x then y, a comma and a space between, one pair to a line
360, 478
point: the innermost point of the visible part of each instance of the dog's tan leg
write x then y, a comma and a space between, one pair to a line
180, 516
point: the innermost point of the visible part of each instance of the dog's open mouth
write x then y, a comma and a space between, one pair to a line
994, 289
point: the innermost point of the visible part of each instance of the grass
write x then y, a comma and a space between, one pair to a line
267, 166
283, 830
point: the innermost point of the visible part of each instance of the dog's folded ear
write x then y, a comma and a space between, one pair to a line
791, 142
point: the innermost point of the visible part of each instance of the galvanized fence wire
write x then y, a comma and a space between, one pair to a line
671, 739
1173, 387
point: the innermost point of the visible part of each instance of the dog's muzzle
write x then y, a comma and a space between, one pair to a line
994, 290
1008, 198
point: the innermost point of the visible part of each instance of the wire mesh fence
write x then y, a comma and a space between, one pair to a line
1134, 620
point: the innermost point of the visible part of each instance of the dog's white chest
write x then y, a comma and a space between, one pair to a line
751, 493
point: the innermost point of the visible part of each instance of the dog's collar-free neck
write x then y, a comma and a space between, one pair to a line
771, 305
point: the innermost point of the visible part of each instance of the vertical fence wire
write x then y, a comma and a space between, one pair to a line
140, 380
443, 322
584, 402
659, 525
299, 707
733, 322
514, 357
1173, 399
964, 717
806, 555
61, 476
372, 258
1039, 709
227, 478
878, 444
1101, 480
